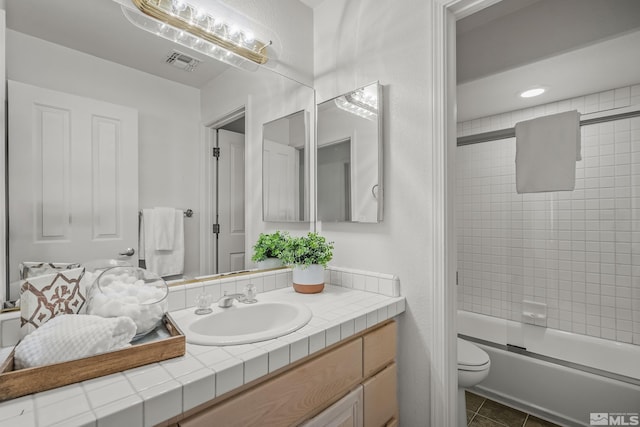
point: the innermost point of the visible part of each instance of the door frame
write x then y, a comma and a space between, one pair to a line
444, 366
209, 140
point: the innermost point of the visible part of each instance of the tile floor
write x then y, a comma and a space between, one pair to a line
483, 412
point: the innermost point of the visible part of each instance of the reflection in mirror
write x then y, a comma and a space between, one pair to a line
349, 157
285, 165
166, 161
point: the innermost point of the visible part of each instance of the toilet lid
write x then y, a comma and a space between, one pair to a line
471, 357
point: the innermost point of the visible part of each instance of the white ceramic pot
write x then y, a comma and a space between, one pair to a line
269, 263
308, 279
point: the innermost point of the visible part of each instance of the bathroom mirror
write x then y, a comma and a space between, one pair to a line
349, 157
180, 104
285, 168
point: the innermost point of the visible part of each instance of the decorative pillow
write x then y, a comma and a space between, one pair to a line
33, 269
44, 297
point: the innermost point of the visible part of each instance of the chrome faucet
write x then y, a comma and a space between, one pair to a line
226, 301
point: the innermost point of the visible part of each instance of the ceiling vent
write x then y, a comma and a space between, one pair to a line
182, 61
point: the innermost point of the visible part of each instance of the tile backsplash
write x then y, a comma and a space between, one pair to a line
182, 296
379, 283
579, 251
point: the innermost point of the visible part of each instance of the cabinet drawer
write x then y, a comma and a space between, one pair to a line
291, 396
380, 398
379, 348
346, 412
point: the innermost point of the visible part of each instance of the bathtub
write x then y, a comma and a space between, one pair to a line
561, 376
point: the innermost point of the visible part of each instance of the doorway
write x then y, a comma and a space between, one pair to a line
224, 196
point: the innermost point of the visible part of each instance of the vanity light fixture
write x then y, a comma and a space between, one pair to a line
532, 92
195, 28
359, 103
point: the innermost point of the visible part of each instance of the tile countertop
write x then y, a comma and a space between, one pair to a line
154, 393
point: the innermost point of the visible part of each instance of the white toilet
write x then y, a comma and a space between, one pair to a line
473, 367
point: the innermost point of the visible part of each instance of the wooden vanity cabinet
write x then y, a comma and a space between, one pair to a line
352, 384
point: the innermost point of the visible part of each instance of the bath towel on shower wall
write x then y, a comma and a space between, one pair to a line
162, 262
547, 149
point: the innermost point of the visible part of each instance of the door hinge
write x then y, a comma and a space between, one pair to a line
457, 282
216, 228
216, 152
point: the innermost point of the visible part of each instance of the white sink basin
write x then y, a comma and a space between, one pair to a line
242, 323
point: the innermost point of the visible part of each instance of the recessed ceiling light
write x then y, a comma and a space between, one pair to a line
532, 92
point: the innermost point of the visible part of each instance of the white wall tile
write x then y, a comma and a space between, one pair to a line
161, 402
10, 329
177, 298
299, 349
572, 250
229, 375
104, 390
147, 376
197, 387
86, 419
256, 364
317, 341
122, 412
66, 404
278, 357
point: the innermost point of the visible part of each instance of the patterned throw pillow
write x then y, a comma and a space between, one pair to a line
44, 297
33, 269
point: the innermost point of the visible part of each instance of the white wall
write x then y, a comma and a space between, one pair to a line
291, 25
355, 43
169, 119
266, 97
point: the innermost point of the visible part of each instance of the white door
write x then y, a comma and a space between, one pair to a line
73, 178
231, 251
281, 198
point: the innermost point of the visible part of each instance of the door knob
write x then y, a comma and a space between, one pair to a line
128, 252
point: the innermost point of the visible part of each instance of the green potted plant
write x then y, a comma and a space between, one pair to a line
267, 250
308, 256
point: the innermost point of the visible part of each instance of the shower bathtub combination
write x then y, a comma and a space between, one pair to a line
559, 270
560, 376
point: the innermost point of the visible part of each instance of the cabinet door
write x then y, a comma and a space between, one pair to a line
379, 348
380, 399
347, 412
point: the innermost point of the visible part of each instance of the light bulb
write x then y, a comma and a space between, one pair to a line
179, 5
532, 92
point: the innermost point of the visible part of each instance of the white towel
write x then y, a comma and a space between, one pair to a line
73, 336
163, 263
547, 149
164, 227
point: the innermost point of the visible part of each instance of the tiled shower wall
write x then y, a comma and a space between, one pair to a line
579, 251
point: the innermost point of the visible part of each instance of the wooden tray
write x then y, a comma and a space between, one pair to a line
32, 380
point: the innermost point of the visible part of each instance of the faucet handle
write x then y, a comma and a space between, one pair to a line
250, 292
